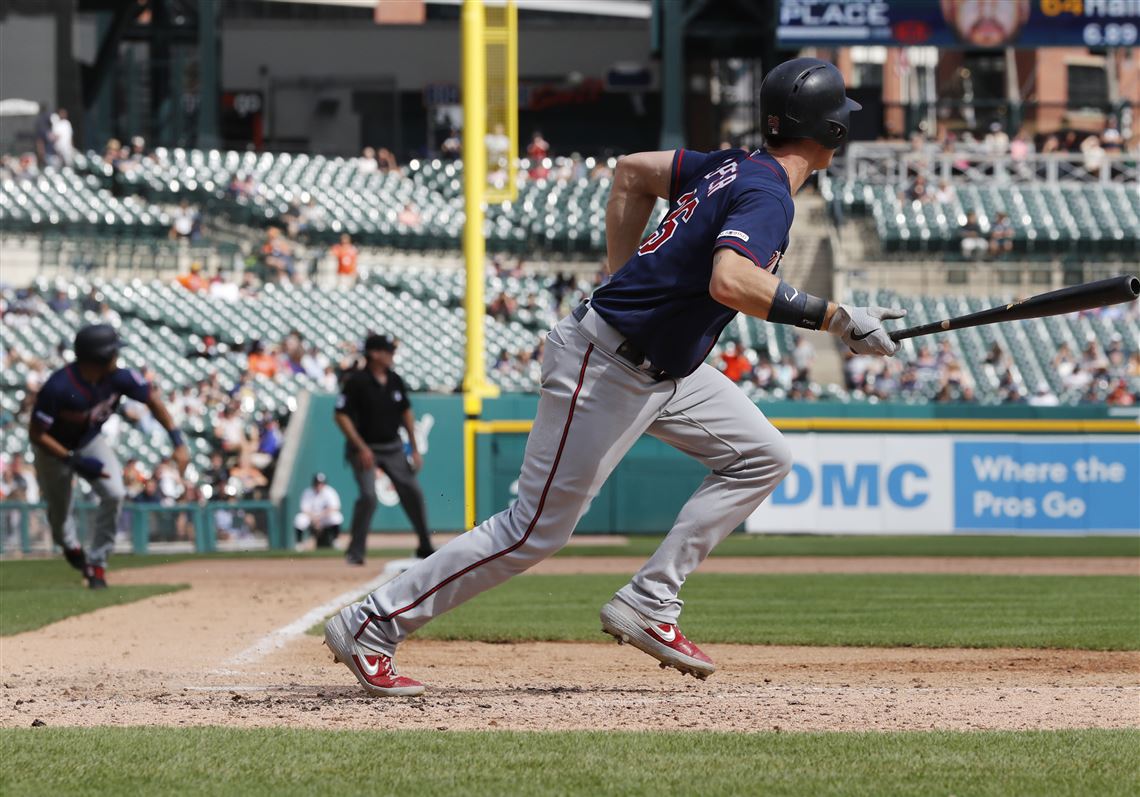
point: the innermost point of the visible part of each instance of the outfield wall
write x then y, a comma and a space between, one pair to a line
859, 469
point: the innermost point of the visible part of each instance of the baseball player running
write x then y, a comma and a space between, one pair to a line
631, 361
69, 411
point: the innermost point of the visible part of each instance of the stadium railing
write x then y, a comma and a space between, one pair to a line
153, 528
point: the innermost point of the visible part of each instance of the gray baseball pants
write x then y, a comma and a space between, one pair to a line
391, 459
594, 405
56, 480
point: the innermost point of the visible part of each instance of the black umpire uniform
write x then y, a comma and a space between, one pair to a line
372, 406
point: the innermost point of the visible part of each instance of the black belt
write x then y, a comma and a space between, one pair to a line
627, 351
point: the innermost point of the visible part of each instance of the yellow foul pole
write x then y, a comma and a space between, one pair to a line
475, 384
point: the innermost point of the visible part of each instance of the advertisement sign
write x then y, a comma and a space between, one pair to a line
870, 484
1053, 485
960, 23
930, 484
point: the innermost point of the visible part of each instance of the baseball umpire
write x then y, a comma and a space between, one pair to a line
372, 406
632, 361
64, 431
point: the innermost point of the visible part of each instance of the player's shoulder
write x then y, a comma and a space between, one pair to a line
129, 377
59, 381
759, 170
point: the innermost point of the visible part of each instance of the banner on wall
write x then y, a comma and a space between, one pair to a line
959, 23
940, 484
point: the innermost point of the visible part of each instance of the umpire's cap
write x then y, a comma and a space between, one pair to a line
806, 98
379, 343
97, 343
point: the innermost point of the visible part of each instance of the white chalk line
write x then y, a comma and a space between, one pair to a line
276, 640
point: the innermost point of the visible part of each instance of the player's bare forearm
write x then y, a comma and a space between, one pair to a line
349, 429
410, 427
160, 412
639, 180
38, 435
739, 283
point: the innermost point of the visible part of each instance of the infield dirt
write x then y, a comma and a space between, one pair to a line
169, 660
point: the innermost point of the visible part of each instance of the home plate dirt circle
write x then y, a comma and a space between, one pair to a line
174, 660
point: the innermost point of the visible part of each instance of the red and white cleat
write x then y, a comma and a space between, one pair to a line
375, 671
96, 576
662, 641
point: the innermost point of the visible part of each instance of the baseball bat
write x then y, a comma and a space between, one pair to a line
1067, 300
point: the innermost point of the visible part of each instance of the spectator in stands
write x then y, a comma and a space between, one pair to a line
320, 512
386, 161
305, 217
1071, 142
217, 474
134, 478
971, 240
277, 254
242, 186
18, 481
328, 381
1043, 397
193, 280
997, 140
60, 302
367, 161
186, 223
345, 254
1110, 137
1092, 358
803, 355
1001, 235
62, 138
1093, 155
945, 194
498, 146
452, 147
250, 480
733, 362
45, 145
410, 217
1021, 147
1120, 395
260, 361
538, 151
229, 429
918, 191
271, 439
503, 307
1052, 145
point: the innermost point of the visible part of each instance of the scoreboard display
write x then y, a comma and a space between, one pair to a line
960, 23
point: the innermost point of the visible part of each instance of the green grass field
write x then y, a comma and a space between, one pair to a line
200, 761
763, 545
942, 545
34, 594
1091, 612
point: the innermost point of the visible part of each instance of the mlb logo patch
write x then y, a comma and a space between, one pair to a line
773, 125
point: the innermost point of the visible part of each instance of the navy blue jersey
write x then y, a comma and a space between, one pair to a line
73, 410
660, 298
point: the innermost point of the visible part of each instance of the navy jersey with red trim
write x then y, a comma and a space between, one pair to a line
660, 298
73, 410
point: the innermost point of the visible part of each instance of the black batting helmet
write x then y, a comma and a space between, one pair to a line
806, 98
97, 343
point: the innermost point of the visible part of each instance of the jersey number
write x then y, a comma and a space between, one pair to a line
683, 212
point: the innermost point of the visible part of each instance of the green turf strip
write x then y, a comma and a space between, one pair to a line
1089, 612
275, 762
36, 593
859, 545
